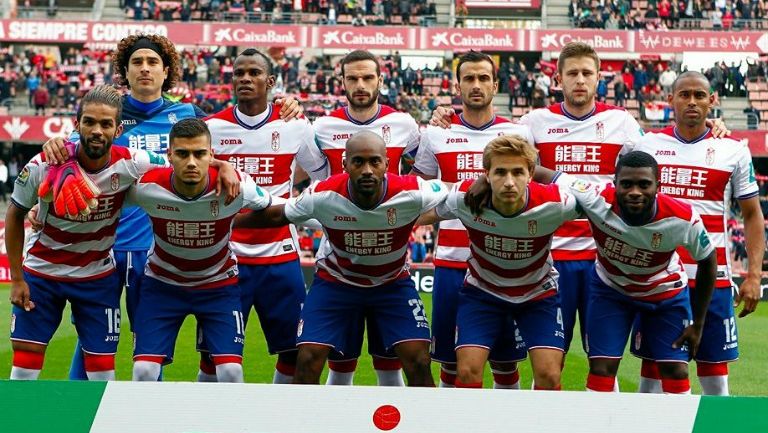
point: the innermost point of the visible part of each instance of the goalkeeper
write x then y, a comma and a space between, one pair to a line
70, 258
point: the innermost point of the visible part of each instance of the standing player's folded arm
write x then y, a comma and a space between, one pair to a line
272, 216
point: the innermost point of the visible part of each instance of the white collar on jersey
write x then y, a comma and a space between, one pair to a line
571, 116
477, 128
695, 140
356, 122
253, 122
384, 186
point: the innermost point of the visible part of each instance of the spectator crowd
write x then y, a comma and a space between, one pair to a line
668, 14
331, 12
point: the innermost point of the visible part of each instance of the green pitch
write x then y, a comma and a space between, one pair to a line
747, 376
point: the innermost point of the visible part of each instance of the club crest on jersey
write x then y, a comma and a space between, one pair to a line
533, 227
600, 131
215, 208
172, 118
392, 216
710, 156
23, 177
114, 181
656, 241
275, 141
580, 185
386, 134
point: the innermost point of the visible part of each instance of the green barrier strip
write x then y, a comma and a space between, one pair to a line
732, 415
47, 406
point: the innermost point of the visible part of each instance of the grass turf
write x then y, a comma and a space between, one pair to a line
746, 376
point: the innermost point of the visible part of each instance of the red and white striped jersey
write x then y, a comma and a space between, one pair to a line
365, 248
453, 155
640, 261
510, 255
399, 131
706, 173
191, 246
266, 148
81, 249
588, 147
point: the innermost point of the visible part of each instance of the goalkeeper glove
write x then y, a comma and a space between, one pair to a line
70, 189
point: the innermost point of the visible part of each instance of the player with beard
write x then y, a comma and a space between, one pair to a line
70, 258
147, 65
583, 137
454, 155
362, 79
252, 137
367, 215
708, 173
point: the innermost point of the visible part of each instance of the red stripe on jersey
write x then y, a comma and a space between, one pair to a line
59, 278
440, 263
685, 257
396, 238
613, 270
640, 258
64, 257
63, 237
639, 278
119, 153
668, 207
530, 246
574, 229
452, 238
694, 182
571, 255
327, 275
264, 169
175, 231
457, 166
322, 273
375, 271
178, 278
579, 158
187, 265
515, 291
662, 295
260, 236
510, 273
271, 260
713, 223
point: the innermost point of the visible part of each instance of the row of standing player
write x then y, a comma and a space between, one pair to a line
477, 91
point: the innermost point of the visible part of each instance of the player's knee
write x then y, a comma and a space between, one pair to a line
415, 358
311, 356
146, 371
673, 370
547, 377
469, 373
